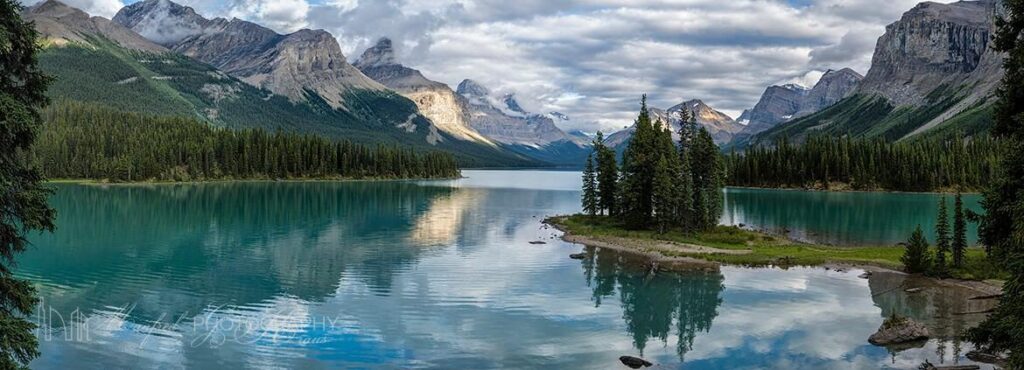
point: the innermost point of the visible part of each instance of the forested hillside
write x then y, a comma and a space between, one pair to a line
826, 162
82, 141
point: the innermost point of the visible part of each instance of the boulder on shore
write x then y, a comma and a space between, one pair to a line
635, 362
897, 330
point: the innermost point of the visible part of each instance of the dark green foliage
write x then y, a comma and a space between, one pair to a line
708, 180
607, 176
959, 243
942, 242
637, 177
869, 164
915, 258
590, 201
103, 73
23, 206
88, 142
665, 186
872, 116
663, 196
1002, 227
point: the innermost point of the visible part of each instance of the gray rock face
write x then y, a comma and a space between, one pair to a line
60, 24
830, 89
505, 121
899, 330
721, 127
287, 65
930, 45
779, 104
435, 100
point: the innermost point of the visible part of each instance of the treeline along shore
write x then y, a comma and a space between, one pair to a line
81, 141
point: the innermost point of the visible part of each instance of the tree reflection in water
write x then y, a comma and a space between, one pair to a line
653, 303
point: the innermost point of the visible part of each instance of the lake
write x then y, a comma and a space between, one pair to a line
441, 274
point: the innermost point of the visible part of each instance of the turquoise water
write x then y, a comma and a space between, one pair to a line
429, 274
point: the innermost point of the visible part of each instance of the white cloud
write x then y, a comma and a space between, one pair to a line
102, 8
603, 53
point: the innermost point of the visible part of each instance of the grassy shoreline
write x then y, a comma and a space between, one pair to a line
735, 246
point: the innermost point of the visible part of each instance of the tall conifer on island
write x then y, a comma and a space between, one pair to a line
1002, 226
959, 232
686, 210
708, 180
638, 164
942, 241
23, 206
607, 176
915, 258
664, 197
590, 205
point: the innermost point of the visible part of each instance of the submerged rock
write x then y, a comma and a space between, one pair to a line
635, 362
578, 256
897, 330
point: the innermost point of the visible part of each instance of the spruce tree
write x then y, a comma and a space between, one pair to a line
23, 206
590, 197
637, 176
1002, 226
607, 176
942, 241
915, 258
708, 179
687, 213
664, 196
959, 244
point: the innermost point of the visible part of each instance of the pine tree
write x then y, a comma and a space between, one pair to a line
607, 176
590, 197
708, 180
664, 196
1002, 226
959, 244
915, 258
637, 175
687, 211
942, 241
23, 206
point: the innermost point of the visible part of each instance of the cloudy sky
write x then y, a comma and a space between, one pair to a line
592, 59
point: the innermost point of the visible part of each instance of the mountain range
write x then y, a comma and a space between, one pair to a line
159, 57
473, 112
932, 74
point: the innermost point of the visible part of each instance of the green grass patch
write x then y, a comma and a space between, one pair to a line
768, 249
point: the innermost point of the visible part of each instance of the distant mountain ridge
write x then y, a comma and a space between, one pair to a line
131, 73
932, 74
435, 100
721, 127
289, 65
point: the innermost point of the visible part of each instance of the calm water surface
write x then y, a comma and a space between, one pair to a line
438, 274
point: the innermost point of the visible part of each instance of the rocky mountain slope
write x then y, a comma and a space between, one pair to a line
721, 127
503, 120
779, 104
290, 65
100, 62
932, 73
435, 100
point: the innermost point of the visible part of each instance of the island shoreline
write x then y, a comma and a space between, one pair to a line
684, 263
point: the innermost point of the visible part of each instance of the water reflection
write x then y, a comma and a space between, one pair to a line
417, 275
655, 304
843, 218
